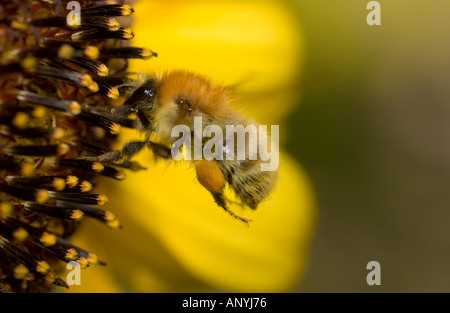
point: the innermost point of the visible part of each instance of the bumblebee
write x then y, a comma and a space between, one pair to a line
163, 101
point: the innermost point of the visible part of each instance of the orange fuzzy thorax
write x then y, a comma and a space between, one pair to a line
212, 99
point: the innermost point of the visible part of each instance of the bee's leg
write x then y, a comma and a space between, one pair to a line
125, 110
159, 150
211, 177
227, 200
220, 200
130, 149
144, 120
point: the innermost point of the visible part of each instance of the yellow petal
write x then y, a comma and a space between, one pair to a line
255, 46
169, 217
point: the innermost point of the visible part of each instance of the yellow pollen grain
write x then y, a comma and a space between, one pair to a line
146, 53
102, 199
21, 271
18, 25
58, 133
65, 51
76, 215
27, 169
5, 208
42, 267
83, 262
113, 24
113, 224
63, 149
9, 56
109, 216
91, 52
127, 33
50, 277
114, 129
71, 254
97, 167
29, 63
103, 70
92, 258
42, 196
20, 234
113, 93
47, 239
72, 181
75, 107
85, 186
39, 112
126, 10
21, 120
59, 183
88, 82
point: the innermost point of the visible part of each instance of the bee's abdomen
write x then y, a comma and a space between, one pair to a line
250, 184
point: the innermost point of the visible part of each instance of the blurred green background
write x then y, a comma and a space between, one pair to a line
372, 131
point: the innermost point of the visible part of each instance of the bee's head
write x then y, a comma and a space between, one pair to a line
183, 95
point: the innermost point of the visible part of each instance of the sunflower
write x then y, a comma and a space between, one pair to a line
175, 238
59, 81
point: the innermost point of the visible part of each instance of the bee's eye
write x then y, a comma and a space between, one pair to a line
185, 104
